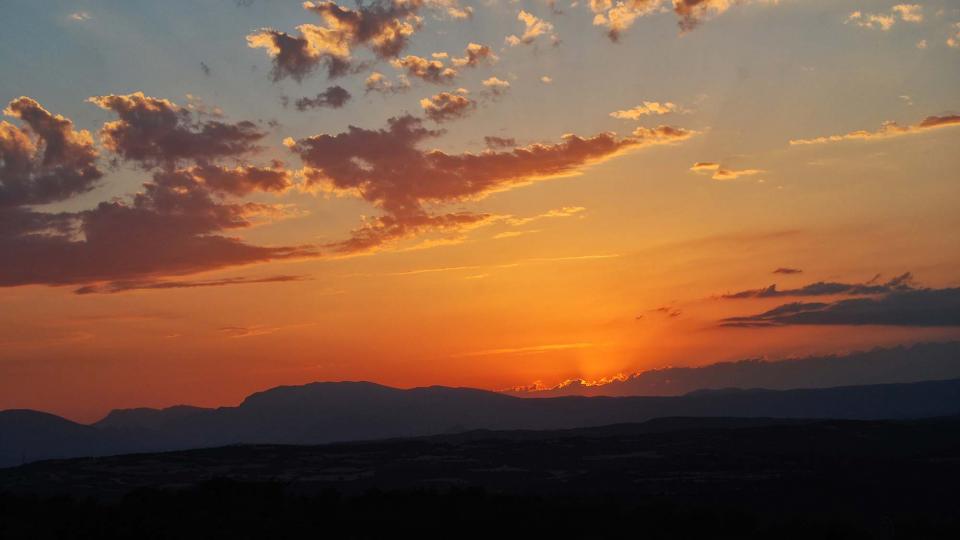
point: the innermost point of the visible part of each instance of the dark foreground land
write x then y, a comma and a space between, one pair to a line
669, 478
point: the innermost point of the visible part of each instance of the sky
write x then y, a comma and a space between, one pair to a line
199, 200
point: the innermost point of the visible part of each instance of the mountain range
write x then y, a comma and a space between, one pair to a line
326, 412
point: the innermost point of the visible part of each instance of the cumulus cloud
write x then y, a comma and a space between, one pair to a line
46, 160
887, 130
378, 82
495, 86
619, 16
648, 108
885, 21
384, 26
718, 172
899, 283
387, 168
157, 132
919, 307
433, 71
474, 54
694, 12
447, 106
176, 225
333, 97
533, 27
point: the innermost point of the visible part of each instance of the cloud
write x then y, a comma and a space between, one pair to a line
447, 106
648, 108
494, 143
80, 16
909, 12
871, 20
717, 172
384, 26
45, 161
124, 286
546, 79
386, 168
157, 132
175, 225
619, 16
533, 27
885, 21
433, 71
921, 362
887, 130
333, 97
495, 86
902, 282
787, 271
954, 40
562, 212
378, 82
912, 308
693, 12
474, 54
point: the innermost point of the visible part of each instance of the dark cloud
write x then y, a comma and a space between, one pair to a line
240, 180
919, 307
333, 97
447, 106
785, 270
384, 26
921, 362
827, 288
387, 168
693, 12
494, 142
45, 161
123, 286
176, 225
157, 132
296, 56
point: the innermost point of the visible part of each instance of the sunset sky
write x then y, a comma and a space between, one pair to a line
203, 199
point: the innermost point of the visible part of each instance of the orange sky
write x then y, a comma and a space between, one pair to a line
547, 203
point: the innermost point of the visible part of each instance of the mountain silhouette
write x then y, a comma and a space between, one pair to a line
351, 411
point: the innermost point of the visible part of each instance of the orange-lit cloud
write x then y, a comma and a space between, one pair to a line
648, 108
718, 172
378, 82
474, 54
386, 168
45, 161
887, 130
533, 27
433, 71
447, 106
619, 16
383, 26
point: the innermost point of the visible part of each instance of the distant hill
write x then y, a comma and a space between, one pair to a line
344, 411
921, 362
